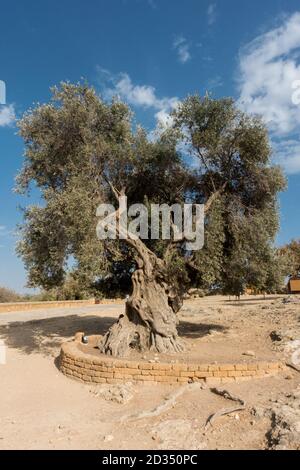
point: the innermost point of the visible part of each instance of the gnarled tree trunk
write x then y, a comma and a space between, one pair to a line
150, 321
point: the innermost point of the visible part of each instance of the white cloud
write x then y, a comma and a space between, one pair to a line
4, 232
211, 14
267, 69
163, 118
144, 96
7, 115
287, 154
182, 48
139, 95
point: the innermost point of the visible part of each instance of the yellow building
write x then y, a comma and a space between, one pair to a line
294, 285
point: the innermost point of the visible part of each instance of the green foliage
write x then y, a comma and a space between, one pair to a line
78, 147
291, 253
207, 264
69, 143
232, 151
71, 289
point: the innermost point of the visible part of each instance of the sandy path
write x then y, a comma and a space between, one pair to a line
7, 317
42, 409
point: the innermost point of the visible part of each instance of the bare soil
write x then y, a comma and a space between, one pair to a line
42, 409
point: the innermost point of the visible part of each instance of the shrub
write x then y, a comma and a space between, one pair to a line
8, 295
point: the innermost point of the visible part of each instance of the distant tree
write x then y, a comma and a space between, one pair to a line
262, 273
9, 295
70, 289
291, 251
81, 152
276, 275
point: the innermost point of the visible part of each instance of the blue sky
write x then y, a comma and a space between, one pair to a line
152, 53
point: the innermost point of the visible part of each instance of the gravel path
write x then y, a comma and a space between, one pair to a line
8, 317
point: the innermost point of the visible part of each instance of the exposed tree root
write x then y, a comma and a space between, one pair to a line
126, 335
225, 411
169, 402
293, 366
227, 395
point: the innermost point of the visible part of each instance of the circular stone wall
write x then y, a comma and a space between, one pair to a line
79, 364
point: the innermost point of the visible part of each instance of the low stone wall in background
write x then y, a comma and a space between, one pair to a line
22, 306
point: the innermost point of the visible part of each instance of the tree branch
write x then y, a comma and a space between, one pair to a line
115, 192
213, 197
144, 253
202, 158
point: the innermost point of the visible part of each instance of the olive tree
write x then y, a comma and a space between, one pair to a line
81, 151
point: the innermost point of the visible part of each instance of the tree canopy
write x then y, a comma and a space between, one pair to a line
81, 151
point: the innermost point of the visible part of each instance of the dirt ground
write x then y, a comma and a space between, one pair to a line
42, 409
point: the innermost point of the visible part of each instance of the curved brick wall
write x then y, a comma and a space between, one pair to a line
80, 365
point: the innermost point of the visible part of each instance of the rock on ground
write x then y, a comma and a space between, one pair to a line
121, 394
177, 434
285, 432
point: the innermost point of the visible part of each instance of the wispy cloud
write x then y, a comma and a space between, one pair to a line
287, 154
268, 67
182, 48
211, 14
215, 82
5, 232
145, 96
152, 4
7, 115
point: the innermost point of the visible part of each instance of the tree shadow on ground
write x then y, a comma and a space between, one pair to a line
45, 336
198, 330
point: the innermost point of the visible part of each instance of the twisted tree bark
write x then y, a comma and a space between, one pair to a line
149, 322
